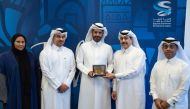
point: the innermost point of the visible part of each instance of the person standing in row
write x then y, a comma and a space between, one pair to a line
58, 69
19, 69
129, 72
94, 91
170, 77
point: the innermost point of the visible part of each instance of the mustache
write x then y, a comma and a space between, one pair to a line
123, 43
97, 36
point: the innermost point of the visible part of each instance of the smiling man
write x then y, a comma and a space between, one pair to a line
58, 69
129, 71
94, 91
170, 77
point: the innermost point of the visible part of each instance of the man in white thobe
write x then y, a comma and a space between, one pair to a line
170, 77
129, 72
94, 91
58, 69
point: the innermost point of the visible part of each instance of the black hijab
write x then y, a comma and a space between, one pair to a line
16, 51
23, 61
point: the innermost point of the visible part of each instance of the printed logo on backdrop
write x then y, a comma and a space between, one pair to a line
163, 15
116, 15
163, 8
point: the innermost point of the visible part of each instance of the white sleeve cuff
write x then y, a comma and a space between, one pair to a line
118, 75
57, 85
68, 83
171, 102
154, 97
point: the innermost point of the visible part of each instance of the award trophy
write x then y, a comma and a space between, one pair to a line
99, 70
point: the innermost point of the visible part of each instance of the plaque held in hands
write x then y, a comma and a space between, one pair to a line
99, 70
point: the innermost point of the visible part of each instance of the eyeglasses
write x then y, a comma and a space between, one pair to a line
170, 45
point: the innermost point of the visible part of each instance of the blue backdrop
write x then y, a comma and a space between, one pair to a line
151, 20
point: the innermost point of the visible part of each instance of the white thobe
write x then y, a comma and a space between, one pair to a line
129, 69
58, 67
170, 82
94, 92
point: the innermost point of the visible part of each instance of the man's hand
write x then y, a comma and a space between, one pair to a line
165, 104
109, 76
114, 95
91, 74
63, 88
158, 103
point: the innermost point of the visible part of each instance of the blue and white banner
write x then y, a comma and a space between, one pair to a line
187, 31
